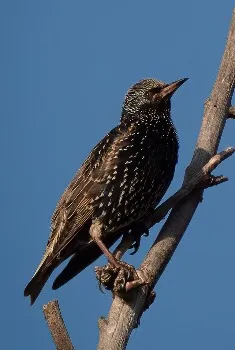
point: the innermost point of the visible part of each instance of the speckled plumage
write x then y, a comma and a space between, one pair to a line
123, 178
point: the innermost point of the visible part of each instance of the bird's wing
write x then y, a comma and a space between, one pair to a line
103, 172
74, 213
73, 209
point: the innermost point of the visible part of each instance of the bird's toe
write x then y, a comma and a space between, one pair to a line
106, 276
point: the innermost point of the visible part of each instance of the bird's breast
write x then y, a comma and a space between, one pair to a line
138, 172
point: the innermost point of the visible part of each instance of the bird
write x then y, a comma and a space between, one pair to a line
123, 178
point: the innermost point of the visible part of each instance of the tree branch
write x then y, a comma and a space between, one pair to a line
196, 181
57, 326
124, 316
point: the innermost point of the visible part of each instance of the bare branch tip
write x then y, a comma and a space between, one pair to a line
217, 180
231, 113
230, 150
57, 326
218, 159
50, 304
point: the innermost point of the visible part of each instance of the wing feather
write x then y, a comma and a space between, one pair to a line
73, 209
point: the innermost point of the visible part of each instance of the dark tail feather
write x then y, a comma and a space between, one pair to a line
81, 259
77, 263
38, 281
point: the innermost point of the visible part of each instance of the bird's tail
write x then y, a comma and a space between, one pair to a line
82, 258
79, 261
38, 280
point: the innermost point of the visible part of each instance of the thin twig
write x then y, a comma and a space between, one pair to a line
162, 210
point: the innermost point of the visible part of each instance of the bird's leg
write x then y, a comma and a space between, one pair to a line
96, 234
123, 271
106, 275
124, 277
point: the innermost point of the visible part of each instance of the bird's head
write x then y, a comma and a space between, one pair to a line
149, 93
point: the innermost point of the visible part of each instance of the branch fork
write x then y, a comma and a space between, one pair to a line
119, 281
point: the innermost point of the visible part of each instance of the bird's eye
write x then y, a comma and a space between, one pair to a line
150, 93
156, 90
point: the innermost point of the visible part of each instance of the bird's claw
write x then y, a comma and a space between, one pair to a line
115, 279
127, 273
106, 276
146, 232
139, 229
135, 246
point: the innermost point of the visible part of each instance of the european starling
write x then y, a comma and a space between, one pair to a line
122, 180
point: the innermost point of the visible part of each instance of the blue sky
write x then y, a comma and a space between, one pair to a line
65, 67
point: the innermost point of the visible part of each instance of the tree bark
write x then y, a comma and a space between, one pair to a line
57, 326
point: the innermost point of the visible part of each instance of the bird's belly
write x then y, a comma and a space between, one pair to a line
125, 202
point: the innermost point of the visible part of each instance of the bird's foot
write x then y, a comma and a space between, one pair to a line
120, 280
126, 274
106, 276
137, 230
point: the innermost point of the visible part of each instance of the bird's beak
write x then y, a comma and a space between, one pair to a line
169, 90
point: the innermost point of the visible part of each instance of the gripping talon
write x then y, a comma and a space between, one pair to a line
135, 249
135, 246
146, 233
138, 230
126, 273
106, 276
98, 276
